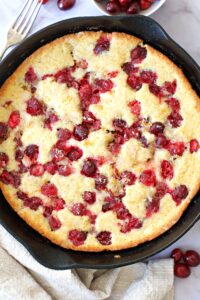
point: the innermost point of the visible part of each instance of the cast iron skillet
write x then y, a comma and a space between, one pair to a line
44, 251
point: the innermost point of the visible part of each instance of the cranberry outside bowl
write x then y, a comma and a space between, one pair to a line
42, 250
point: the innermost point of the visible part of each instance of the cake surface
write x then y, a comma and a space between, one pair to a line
99, 141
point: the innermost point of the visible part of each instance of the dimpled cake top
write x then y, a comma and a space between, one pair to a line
99, 141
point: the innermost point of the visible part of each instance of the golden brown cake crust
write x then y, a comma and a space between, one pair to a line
49, 60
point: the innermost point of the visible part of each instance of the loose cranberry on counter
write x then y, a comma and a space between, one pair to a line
65, 4
191, 258
177, 255
181, 270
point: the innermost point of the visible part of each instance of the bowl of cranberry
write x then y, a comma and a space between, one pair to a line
128, 7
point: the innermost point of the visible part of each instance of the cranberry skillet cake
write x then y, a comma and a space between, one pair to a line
99, 141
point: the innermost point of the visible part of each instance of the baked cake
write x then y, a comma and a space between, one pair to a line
99, 141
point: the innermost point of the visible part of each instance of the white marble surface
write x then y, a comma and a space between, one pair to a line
181, 19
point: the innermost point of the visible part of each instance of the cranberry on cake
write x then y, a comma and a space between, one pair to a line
99, 141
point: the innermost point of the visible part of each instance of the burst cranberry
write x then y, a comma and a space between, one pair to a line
175, 119
85, 93
157, 128
65, 170
113, 7
148, 178
64, 76
32, 151
37, 170
161, 190
113, 74
91, 121
14, 119
21, 195
54, 223
30, 75
3, 130
134, 132
104, 237
57, 154
89, 197
101, 182
47, 210
3, 159
64, 134
174, 104
177, 254
167, 170
181, 270
161, 141
79, 209
103, 85
179, 193
51, 167
191, 258
103, 44
138, 54
128, 178
58, 203
50, 121
135, 107
148, 77
49, 189
114, 148
33, 202
119, 124
123, 213
169, 88
89, 168
155, 89
75, 153
132, 223
81, 132
176, 148
12, 178
194, 146
34, 107
134, 82
152, 207
129, 68
77, 237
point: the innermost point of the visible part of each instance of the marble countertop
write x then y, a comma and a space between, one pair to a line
181, 19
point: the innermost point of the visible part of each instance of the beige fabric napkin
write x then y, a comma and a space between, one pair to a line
23, 278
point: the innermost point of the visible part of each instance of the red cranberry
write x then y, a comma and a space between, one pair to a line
85, 92
101, 182
129, 68
155, 89
3, 130
104, 85
133, 9
123, 213
176, 148
89, 197
179, 193
113, 7
65, 170
152, 207
169, 88
194, 146
128, 178
34, 107
21, 195
51, 120
191, 258
89, 168
103, 44
64, 76
65, 4
161, 190
37, 170
79, 209
51, 167
33, 202
157, 128
135, 107
133, 223
177, 254
3, 159
58, 203
64, 134
148, 177
75, 153
32, 151
47, 210
49, 189
134, 132
57, 154
148, 77
175, 119
77, 237
161, 141
114, 148
54, 223
30, 75
91, 121
138, 54
174, 104
167, 170
81, 132
14, 119
181, 270
104, 237
119, 124
134, 82
144, 4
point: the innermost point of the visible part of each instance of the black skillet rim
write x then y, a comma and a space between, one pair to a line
159, 39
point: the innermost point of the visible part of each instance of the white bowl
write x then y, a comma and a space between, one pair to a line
147, 12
